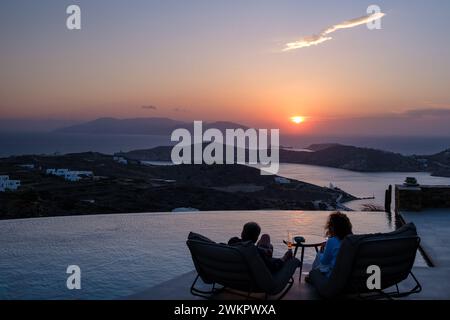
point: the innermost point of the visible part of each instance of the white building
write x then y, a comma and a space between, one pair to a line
70, 175
27, 166
82, 173
282, 180
57, 172
12, 184
61, 172
121, 160
6, 184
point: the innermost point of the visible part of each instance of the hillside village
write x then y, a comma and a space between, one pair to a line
94, 183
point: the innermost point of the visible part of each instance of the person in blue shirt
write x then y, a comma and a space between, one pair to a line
338, 226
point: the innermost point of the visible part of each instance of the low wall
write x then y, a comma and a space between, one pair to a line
417, 198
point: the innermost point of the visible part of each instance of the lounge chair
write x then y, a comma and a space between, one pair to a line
238, 268
393, 252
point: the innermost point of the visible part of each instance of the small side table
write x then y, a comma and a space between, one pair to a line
311, 241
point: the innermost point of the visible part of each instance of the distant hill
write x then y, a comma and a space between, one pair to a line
369, 160
154, 126
329, 155
222, 125
322, 146
441, 157
161, 153
351, 158
334, 155
438, 164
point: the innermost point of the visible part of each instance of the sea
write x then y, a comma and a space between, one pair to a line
23, 143
29, 143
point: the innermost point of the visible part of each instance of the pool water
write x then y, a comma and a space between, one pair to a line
123, 254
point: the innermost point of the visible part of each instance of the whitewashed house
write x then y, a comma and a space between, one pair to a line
83, 173
69, 175
12, 185
121, 160
3, 180
27, 166
6, 184
282, 180
72, 177
57, 172
62, 172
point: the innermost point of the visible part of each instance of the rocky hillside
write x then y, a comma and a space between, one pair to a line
135, 187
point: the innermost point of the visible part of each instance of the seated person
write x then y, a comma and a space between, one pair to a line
338, 226
251, 232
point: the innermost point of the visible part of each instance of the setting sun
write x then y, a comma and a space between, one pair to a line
297, 119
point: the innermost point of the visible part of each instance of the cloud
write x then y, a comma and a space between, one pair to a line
427, 112
324, 35
149, 107
180, 110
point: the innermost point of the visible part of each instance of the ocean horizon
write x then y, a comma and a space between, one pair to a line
29, 143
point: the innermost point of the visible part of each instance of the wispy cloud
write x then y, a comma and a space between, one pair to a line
179, 109
428, 112
324, 35
149, 107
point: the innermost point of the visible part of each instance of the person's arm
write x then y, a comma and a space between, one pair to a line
327, 256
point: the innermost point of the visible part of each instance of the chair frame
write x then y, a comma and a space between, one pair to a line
211, 293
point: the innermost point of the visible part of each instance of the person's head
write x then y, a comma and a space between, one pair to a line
338, 225
251, 232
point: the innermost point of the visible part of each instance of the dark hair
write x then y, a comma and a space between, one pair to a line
251, 232
338, 225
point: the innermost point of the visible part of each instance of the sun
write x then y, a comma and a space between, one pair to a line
297, 119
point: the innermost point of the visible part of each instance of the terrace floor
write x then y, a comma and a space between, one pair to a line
178, 288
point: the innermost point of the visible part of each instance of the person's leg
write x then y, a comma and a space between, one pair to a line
315, 265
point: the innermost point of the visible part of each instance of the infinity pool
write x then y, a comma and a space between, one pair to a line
120, 255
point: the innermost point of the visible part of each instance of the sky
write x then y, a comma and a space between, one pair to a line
256, 62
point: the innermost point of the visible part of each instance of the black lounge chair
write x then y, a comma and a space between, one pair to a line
393, 252
238, 268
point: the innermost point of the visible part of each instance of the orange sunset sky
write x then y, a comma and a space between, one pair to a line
223, 60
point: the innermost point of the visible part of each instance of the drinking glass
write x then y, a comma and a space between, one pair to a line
290, 236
